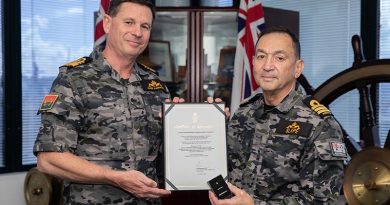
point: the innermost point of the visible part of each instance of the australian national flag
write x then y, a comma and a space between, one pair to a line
100, 35
250, 25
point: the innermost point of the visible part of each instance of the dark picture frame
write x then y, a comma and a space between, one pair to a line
226, 65
224, 80
194, 144
158, 56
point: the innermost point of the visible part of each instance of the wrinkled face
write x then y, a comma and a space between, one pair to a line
128, 32
275, 64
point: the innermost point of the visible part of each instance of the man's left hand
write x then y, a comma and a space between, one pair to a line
218, 100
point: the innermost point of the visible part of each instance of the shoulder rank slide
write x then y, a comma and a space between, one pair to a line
78, 62
250, 100
145, 67
48, 102
317, 107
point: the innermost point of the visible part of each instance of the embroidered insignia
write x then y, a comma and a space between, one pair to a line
78, 62
48, 102
147, 68
250, 100
317, 107
338, 149
152, 85
294, 128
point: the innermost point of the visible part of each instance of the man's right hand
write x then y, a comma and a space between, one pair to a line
67, 166
137, 184
240, 197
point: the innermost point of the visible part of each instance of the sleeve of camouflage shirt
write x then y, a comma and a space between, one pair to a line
239, 146
321, 174
60, 124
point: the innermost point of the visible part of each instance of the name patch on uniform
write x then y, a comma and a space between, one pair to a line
48, 102
294, 128
153, 85
317, 107
338, 149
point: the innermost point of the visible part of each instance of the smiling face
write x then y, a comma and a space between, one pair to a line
128, 31
276, 65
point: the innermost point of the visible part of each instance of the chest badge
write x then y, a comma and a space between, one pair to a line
153, 85
285, 127
48, 102
293, 128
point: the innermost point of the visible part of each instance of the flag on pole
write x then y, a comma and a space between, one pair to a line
100, 35
250, 25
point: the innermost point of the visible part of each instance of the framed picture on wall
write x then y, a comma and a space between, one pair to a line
226, 65
158, 56
223, 88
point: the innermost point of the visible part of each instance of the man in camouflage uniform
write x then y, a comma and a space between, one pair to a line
100, 129
283, 147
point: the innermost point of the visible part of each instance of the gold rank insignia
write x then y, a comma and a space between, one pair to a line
48, 102
78, 62
250, 99
152, 85
148, 68
285, 127
317, 107
293, 128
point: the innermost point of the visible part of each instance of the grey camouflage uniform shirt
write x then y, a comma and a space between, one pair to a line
107, 120
278, 161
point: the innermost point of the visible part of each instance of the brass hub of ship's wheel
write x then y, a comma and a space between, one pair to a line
367, 177
42, 189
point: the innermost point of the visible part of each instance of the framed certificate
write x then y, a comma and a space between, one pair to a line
194, 144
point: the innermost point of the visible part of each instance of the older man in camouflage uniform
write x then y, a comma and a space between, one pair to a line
284, 148
100, 128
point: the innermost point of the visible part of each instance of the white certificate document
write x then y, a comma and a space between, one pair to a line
194, 144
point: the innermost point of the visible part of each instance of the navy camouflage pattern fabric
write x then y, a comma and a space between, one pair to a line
107, 120
283, 155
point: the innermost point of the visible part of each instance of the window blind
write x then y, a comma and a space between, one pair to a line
383, 108
188, 3
1, 91
53, 33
